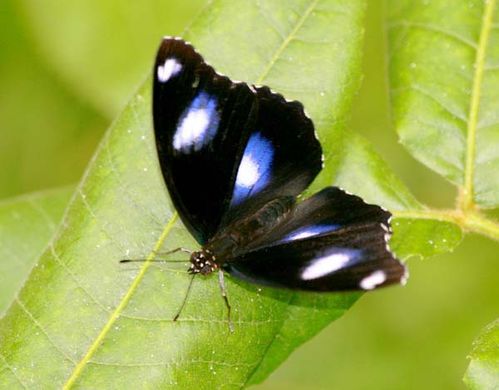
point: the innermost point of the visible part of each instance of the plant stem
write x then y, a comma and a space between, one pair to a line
470, 221
477, 223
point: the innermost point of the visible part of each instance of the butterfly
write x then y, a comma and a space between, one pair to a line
235, 159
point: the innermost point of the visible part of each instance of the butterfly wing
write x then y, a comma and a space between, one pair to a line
202, 122
225, 149
281, 158
332, 241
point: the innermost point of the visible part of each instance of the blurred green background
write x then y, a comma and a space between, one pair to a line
66, 68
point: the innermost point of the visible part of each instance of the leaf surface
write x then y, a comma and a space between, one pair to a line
82, 319
483, 370
444, 74
26, 225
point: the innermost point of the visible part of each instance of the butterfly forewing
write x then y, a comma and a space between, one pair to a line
225, 148
202, 122
282, 156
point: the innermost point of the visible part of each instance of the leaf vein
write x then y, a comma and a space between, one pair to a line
434, 29
491, 68
136, 102
92, 214
441, 129
268, 19
312, 41
172, 363
44, 332
277, 54
467, 194
13, 371
73, 276
285, 316
40, 210
203, 320
119, 309
127, 192
422, 91
487, 125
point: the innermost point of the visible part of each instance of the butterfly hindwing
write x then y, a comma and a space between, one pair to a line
332, 241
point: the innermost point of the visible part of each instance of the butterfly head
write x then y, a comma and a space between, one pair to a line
202, 262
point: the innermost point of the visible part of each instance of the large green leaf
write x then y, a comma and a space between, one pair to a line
483, 371
83, 319
444, 64
26, 225
428, 237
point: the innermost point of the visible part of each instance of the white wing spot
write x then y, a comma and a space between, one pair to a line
373, 280
198, 124
170, 68
310, 231
191, 129
255, 168
325, 265
301, 235
249, 172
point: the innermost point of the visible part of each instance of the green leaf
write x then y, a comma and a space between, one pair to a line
83, 317
428, 237
86, 320
120, 319
26, 225
101, 48
445, 90
483, 370
374, 181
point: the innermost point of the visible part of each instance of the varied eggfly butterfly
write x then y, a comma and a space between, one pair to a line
235, 157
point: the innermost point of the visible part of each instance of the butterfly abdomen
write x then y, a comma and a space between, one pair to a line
246, 232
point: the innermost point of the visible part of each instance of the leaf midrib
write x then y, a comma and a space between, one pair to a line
119, 309
133, 287
467, 201
466, 215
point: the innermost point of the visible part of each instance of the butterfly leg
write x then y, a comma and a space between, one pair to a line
179, 249
221, 283
185, 299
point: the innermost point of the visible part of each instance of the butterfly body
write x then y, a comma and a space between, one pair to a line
235, 159
227, 244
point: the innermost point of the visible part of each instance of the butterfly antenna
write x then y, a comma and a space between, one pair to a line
185, 298
152, 261
180, 249
221, 283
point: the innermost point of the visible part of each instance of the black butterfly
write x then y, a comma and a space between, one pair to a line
234, 158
